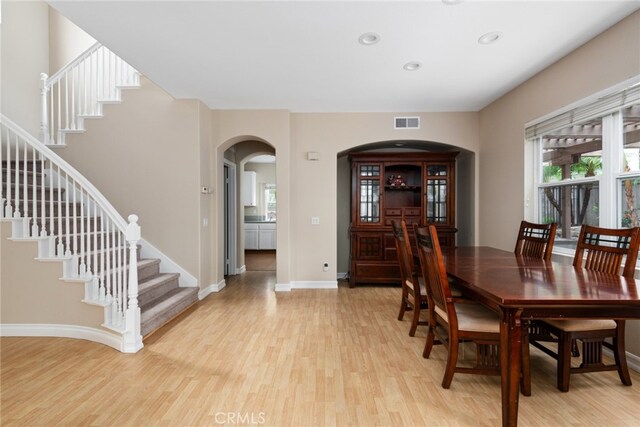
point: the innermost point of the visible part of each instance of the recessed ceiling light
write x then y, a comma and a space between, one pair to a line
412, 66
451, 2
369, 39
489, 38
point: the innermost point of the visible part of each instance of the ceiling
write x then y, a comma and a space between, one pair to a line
304, 56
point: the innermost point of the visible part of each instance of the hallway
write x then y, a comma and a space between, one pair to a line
308, 357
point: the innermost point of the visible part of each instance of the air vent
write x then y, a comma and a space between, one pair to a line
407, 123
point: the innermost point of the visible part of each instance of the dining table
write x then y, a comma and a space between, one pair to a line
520, 289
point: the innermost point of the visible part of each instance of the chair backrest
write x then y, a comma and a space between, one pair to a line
603, 249
405, 256
432, 265
535, 240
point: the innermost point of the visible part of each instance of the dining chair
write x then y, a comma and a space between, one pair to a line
601, 250
535, 240
414, 296
459, 319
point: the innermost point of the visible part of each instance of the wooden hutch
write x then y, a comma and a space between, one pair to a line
424, 194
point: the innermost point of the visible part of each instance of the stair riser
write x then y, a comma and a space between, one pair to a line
62, 208
12, 165
110, 258
157, 321
90, 244
21, 180
39, 192
90, 225
157, 291
148, 271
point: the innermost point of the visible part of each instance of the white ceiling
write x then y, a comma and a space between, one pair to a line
304, 56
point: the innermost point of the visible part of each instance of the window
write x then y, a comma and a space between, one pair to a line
270, 202
588, 165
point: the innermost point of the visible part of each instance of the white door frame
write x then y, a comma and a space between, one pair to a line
231, 228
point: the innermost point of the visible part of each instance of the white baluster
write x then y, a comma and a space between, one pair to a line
60, 247
103, 268
34, 188
59, 133
83, 265
8, 208
66, 100
75, 231
25, 193
73, 72
17, 210
43, 222
44, 114
67, 250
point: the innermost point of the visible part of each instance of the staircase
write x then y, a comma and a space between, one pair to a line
48, 201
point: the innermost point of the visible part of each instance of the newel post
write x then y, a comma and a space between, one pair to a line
132, 337
44, 114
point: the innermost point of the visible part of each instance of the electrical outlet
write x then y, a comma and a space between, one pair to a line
325, 266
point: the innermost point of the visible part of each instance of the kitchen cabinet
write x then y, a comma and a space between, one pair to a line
249, 188
260, 236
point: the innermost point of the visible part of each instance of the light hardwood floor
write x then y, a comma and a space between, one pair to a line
325, 357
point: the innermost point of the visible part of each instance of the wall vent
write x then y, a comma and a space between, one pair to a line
406, 123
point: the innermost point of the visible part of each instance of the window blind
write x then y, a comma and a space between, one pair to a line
600, 107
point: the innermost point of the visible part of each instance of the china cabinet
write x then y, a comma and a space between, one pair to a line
416, 187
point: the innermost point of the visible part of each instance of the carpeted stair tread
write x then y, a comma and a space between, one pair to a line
162, 309
156, 287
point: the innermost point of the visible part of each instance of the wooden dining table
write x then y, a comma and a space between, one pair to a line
520, 289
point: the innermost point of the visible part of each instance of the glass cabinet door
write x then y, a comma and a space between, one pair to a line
437, 183
369, 179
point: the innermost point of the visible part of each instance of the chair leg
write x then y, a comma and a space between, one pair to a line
403, 305
416, 318
452, 360
564, 362
428, 345
620, 353
525, 383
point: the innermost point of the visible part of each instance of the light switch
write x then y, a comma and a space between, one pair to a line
315, 220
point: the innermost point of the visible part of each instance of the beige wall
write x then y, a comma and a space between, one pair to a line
343, 213
608, 59
66, 41
144, 157
24, 34
207, 200
32, 292
314, 183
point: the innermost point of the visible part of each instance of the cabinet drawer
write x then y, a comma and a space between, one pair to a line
412, 211
250, 226
388, 219
392, 212
267, 226
410, 220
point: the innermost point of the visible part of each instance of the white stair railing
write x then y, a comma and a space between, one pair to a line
50, 201
79, 89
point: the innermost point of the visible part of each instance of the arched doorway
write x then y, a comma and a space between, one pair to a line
236, 207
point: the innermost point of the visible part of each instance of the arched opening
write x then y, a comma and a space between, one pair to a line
464, 191
248, 178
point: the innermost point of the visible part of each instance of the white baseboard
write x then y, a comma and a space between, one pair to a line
241, 269
343, 275
633, 361
167, 265
214, 287
317, 284
283, 287
62, 331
